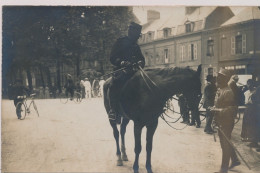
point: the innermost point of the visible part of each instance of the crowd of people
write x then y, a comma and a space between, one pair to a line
85, 87
222, 98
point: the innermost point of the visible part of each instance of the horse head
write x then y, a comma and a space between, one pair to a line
192, 89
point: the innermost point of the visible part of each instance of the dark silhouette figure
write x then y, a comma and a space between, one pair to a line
142, 101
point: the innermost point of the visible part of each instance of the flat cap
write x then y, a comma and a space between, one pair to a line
225, 72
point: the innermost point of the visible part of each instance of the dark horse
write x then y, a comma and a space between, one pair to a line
142, 100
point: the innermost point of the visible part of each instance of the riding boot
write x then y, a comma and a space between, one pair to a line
112, 103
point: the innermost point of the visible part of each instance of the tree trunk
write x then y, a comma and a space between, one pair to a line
29, 77
48, 77
42, 78
58, 76
78, 65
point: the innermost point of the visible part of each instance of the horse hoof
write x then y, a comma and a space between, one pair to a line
149, 171
124, 158
119, 163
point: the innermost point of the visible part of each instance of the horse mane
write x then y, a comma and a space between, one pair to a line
171, 71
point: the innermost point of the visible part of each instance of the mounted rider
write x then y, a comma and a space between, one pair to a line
125, 53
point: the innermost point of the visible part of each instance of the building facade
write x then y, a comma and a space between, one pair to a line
212, 36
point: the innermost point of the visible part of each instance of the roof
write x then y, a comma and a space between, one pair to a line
200, 13
178, 17
249, 13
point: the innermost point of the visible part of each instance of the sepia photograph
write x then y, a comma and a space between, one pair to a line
130, 89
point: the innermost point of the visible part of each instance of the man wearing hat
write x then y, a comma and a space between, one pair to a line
225, 109
124, 54
209, 96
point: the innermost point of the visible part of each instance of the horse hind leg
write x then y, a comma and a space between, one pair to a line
122, 132
116, 136
138, 146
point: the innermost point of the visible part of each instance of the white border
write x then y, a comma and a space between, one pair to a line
135, 2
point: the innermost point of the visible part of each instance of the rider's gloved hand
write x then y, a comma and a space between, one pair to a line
140, 63
125, 63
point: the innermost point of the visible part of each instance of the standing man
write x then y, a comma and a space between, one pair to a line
184, 110
124, 54
69, 86
87, 86
101, 84
209, 97
225, 109
82, 88
19, 94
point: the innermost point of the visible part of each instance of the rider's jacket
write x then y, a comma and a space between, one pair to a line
126, 50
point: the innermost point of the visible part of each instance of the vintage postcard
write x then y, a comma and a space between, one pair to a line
142, 87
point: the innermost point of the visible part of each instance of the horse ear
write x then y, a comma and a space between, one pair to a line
199, 70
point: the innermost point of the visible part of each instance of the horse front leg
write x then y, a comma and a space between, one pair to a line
138, 146
149, 144
116, 136
122, 132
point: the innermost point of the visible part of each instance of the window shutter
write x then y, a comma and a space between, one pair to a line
172, 55
195, 51
233, 45
189, 52
244, 43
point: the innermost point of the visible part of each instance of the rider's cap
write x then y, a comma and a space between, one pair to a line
135, 26
225, 72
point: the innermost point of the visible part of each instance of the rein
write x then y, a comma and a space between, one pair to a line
143, 74
121, 69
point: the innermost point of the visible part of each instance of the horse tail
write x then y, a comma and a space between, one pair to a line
105, 95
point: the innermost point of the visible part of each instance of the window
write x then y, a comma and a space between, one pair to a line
210, 48
223, 47
238, 43
210, 71
240, 69
166, 32
182, 52
149, 36
166, 56
192, 52
188, 27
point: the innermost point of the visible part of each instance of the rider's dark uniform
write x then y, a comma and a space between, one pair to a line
125, 53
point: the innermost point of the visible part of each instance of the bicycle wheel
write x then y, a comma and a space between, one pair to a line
21, 110
77, 97
63, 98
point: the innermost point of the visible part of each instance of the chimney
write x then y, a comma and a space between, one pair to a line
152, 15
189, 10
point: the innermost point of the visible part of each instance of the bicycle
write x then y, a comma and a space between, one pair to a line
22, 107
77, 98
